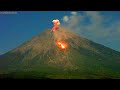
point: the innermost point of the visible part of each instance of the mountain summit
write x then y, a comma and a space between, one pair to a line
60, 54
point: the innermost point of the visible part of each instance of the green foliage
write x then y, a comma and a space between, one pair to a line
40, 58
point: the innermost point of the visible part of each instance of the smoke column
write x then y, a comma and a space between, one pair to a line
56, 24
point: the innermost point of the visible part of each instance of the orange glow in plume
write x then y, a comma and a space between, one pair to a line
56, 24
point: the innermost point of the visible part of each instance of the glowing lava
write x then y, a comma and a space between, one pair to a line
61, 44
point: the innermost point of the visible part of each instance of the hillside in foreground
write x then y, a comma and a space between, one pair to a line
61, 54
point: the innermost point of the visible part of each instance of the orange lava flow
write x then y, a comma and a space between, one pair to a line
61, 44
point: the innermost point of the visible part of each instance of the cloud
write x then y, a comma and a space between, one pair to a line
94, 16
65, 18
73, 20
96, 20
74, 13
94, 25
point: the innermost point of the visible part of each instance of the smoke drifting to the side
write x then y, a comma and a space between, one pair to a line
94, 25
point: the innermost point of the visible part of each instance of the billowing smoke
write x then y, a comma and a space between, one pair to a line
56, 23
100, 27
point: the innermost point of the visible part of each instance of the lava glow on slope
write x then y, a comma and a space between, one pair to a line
61, 44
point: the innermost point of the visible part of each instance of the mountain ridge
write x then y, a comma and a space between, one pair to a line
82, 56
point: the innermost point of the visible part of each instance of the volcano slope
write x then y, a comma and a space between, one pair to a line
41, 57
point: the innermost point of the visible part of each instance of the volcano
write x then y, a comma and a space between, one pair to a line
60, 54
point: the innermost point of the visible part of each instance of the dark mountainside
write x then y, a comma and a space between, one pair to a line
42, 58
